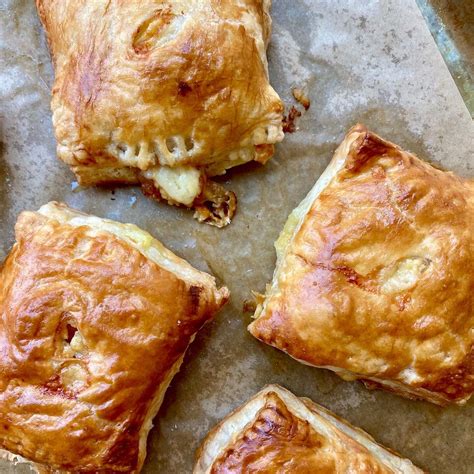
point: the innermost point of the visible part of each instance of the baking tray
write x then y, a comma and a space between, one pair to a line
451, 23
373, 62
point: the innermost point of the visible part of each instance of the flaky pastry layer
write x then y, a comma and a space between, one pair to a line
373, 275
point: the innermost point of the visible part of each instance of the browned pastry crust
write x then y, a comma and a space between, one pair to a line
276, 432
174, 84
374, 276
95, 318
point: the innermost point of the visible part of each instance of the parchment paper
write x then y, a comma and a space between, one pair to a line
371, 61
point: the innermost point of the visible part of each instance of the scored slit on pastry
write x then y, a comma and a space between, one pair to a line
373, 276
95, 320
275, 431
166, 94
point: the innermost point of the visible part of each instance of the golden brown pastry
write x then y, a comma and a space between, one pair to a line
166, 93
95, 318
277, 432
374, 274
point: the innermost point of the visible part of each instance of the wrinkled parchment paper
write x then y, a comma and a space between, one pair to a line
372, 61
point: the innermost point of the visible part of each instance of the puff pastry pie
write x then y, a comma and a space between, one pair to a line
277, 432
166, 93
374, 274
95, 318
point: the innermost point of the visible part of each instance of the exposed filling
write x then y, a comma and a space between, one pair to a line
213, 204
182, 184
167, 171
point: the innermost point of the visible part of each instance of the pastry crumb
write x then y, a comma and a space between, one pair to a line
249, 306
216, 206
301, 97
289, 125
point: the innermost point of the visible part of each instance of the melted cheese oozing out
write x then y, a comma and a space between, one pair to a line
181, 184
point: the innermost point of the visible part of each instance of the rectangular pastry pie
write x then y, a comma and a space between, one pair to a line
166, 93
276, 431
374, 274
95, 319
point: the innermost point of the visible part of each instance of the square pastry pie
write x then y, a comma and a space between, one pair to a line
95, 319
166, 93
277, 432
374, 274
